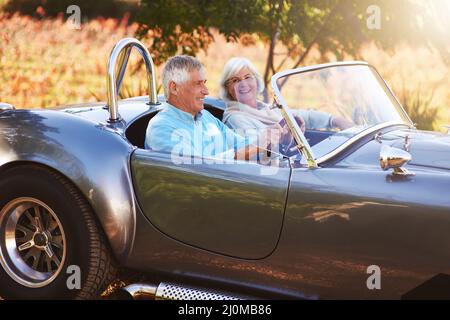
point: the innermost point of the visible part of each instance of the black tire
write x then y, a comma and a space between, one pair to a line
84, 246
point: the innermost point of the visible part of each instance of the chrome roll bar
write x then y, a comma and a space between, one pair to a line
117, 65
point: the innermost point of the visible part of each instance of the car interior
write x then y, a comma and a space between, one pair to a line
136, 131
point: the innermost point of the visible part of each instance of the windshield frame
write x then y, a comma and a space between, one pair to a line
298, 135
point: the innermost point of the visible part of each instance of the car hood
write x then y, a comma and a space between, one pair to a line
430, 149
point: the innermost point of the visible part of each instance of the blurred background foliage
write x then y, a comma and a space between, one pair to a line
419, 106
44, 63
90, 9
328, 26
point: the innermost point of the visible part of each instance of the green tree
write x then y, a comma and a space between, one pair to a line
89, 9
331, 26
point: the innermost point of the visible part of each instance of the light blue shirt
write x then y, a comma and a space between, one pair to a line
181, 134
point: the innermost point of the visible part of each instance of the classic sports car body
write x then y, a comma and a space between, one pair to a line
77, 188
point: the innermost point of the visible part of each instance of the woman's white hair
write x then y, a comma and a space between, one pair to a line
232, 67
177, 70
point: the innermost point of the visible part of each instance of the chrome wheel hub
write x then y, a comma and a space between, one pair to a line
40, 240
32, 242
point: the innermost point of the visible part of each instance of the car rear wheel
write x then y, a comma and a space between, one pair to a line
50, 244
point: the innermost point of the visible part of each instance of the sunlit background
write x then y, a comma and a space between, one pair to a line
45, 63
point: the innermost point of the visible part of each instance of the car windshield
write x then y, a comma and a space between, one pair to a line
337, 103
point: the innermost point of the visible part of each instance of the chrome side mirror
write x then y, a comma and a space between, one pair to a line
448, 128
394, 158
118, 60
6, 106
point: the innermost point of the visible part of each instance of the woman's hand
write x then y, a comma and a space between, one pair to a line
341, 123
300, 122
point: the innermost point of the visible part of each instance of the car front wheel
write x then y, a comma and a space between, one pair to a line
50, 244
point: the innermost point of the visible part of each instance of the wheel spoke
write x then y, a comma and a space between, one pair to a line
23, 239
57, 239
37, 213
49, 251
39, 225
38, 217
26, 245
31, 253
57, 245
24, 229
30, 217
48, 262
35, 251
56, 260
52, 225
36, 260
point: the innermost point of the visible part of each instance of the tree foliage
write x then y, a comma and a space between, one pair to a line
89, 8
419, 107
331, 26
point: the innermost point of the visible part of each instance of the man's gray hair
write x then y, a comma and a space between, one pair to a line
233, 66
177, 70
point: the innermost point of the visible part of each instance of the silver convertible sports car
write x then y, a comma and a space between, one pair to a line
362, 212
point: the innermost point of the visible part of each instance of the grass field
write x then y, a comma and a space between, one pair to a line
44, 63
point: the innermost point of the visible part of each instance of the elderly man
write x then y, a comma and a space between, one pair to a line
183, 127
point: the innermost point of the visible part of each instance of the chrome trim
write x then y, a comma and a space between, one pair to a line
407, 144
395, 97
119, 58
299, 137
15, 259
169, 291
402, 172
377, 137
358, 136
141, 291
6, 106
304, 146
395, 158
313, 68
448, 128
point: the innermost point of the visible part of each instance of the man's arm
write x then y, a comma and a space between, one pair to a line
246, 153
265, 138
253, 141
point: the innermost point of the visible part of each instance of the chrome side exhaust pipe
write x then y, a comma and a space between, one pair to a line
140, 291
168, 291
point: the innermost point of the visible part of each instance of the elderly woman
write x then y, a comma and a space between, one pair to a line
241, 83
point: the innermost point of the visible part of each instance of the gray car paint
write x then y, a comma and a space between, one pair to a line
235, 209
100, 170
338, 220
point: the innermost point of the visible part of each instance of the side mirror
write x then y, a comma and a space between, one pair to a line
394, 158
6, 106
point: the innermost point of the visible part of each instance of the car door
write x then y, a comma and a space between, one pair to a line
234, 209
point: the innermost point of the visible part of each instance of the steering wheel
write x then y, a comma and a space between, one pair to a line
289, 149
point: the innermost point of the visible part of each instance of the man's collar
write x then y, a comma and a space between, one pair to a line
183, 115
